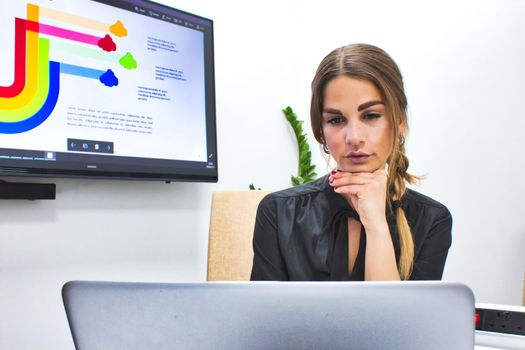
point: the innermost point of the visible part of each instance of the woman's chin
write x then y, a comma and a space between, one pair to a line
359, 168
362, 168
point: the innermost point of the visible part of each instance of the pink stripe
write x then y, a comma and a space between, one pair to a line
63, 33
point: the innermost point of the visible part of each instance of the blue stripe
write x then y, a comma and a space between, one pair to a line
80, 71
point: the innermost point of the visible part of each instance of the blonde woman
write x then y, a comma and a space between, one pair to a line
360, 222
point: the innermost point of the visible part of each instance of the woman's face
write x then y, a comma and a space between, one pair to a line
357, 127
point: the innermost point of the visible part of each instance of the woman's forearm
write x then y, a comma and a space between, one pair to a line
380, 260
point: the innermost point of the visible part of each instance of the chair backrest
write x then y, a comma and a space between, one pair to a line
230, 252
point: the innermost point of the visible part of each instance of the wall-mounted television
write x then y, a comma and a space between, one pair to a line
119, 89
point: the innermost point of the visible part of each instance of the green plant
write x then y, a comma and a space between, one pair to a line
306, 170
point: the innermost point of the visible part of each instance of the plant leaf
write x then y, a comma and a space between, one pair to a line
305, 167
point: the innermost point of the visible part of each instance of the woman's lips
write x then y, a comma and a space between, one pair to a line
358, 158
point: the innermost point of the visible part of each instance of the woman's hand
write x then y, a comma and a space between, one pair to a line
366, 193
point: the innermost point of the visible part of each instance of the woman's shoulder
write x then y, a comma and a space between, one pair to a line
415, 202
301, 190
298, 192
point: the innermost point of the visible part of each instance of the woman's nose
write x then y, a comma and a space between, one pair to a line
354, 133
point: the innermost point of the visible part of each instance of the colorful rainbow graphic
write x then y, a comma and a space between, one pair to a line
33, 95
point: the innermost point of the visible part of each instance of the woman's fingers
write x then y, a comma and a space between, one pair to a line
349, 189
342, 179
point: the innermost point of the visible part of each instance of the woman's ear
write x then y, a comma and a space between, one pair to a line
403, 126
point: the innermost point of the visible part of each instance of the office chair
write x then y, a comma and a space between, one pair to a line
230, 252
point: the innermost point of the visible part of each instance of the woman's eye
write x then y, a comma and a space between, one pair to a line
335, 120
371, 116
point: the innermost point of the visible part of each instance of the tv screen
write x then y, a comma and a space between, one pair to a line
106, 89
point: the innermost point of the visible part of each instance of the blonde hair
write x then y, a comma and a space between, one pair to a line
375, 65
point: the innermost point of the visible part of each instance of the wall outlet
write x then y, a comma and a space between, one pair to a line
500, 319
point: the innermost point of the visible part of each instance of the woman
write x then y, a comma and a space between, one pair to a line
360, 222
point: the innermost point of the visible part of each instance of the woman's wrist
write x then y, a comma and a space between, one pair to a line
376, 228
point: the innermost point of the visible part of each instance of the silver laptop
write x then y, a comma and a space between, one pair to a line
270, 315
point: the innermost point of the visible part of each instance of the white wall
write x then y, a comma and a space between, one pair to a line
463, 64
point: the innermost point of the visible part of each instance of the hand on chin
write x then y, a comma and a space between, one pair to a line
364, 190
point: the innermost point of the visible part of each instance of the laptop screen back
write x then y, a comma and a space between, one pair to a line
270, 315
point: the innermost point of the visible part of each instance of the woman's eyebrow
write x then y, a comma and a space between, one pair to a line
369, 104
331, 110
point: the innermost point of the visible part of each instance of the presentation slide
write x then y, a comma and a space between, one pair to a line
78, 74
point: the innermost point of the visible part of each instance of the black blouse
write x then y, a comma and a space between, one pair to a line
301, 234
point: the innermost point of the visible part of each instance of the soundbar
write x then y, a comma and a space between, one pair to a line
23, 190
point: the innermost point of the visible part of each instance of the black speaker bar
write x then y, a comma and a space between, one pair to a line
22, 190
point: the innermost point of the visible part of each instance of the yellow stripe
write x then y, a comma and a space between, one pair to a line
42, 82
73, 19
